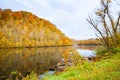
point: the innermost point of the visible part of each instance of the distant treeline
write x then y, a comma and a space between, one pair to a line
89, 42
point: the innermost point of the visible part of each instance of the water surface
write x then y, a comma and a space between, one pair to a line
38, 60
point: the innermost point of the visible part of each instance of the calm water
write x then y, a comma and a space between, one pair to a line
35, 59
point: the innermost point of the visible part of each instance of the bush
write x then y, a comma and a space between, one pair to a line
32, 76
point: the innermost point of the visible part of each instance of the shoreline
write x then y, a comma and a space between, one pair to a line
20, 47
32, 47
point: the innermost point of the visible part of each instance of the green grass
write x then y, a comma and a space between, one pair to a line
102, 51
105, 69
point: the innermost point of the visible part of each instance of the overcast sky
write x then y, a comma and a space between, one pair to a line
68, 15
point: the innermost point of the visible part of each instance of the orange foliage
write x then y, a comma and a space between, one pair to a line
22, 28
66, 55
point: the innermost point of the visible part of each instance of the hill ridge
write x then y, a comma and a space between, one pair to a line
22, 28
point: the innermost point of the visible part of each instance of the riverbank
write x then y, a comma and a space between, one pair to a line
20, 47
105, 69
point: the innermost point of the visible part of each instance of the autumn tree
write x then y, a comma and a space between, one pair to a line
23, 29
106, 25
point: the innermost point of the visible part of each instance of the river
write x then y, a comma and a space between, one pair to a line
38, 60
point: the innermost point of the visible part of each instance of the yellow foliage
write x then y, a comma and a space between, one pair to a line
22, 28
90, 41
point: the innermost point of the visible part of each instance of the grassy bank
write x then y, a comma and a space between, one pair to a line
105, 69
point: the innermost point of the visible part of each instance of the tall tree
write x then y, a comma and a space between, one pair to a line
108, 26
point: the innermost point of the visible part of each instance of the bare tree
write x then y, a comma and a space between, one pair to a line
110, 26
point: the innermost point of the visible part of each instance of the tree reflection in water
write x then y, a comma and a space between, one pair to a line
26, 60
31, 59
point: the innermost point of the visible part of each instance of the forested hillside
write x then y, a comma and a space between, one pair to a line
23, 29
